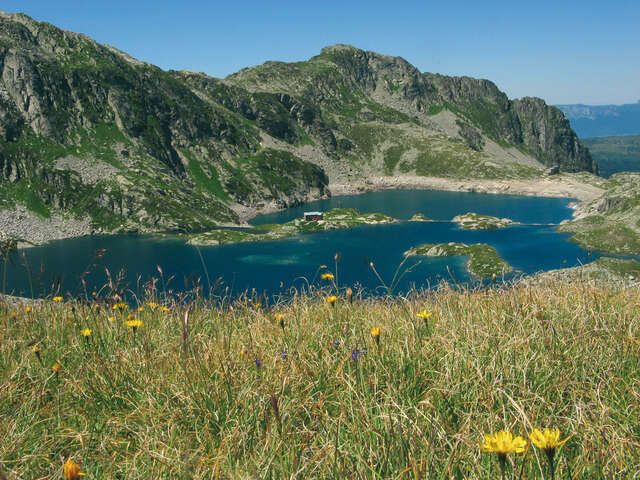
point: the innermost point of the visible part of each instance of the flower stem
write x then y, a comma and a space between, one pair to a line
550, 454
502, 458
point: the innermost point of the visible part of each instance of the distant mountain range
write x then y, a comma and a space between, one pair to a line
88, 131
603, 120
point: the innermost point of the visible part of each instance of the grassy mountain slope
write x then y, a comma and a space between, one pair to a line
384, 111
88, 131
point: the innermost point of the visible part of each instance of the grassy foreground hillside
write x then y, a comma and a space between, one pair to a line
238, 391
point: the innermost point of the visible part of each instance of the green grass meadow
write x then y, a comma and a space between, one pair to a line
240, 389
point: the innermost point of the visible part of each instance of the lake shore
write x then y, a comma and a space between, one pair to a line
36, 230
558, 186
563, 186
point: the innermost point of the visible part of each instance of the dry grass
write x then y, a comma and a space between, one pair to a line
186, 398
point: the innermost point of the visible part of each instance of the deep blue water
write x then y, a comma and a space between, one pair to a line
274, 267
437, 205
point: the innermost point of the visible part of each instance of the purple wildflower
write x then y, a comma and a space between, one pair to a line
258, 362
336, 343
284, 355
355, 354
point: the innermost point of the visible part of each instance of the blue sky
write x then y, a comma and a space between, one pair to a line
563, 51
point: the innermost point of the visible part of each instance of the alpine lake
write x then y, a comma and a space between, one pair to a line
280, 267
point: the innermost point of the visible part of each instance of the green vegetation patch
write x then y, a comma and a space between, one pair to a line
24, 193
484, 261
435, 109
207, 182
392, 156
599, 233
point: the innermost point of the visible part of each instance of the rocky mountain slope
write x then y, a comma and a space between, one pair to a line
611, 222
87, 132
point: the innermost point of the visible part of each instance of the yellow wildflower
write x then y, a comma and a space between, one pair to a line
72, 470
134, 323
57, 299
85, 332
130, 316
549, 439
327, 276
165, 308
27, 309
279, 317
56, 367
120, 306
13, 315
152, 304
502, 443
424, 314
111, 319
375, 333
141, 309
332, 299
36, 349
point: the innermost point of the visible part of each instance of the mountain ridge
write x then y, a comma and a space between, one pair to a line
86, 131
603, 120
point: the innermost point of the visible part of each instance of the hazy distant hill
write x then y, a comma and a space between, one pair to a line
615, 154
603, 120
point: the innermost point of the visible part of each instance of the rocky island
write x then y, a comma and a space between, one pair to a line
476, 221
484, 261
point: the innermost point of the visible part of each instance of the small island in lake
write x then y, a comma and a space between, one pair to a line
338, 218
484, 261
477, 221
419, 217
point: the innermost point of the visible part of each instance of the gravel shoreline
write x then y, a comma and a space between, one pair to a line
31, 229
561, 186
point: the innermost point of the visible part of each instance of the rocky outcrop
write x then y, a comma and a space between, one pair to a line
547, 133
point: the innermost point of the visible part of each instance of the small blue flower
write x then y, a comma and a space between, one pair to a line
284, 355
336, 343
355, 354
258, 362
